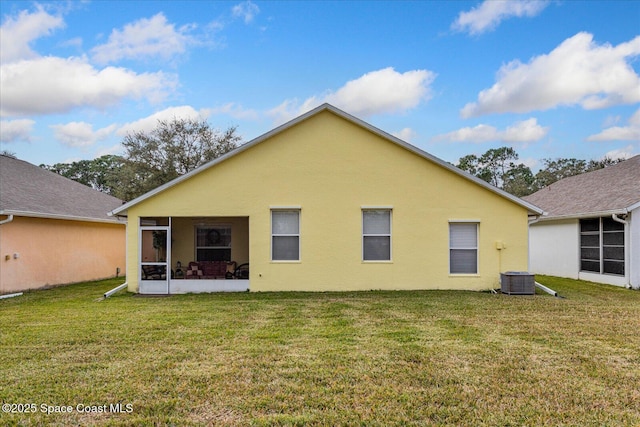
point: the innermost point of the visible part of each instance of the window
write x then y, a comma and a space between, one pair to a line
463, 248
285, 235
590, 245
602, 246
376, 234
213, 243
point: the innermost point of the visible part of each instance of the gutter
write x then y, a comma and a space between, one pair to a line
627, 248
551, 217
8, 220
61, 217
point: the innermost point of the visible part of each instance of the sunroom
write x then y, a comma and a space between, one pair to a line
193, 254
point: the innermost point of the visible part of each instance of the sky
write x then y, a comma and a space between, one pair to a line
551, 79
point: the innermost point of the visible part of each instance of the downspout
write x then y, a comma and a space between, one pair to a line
627, 248
8, 220
114, 290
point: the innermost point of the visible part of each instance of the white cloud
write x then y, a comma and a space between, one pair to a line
377, 92
55, 85
236, 111
80, 134
16, 130
620, 133
620, 153
524, 131
490, 13
16, 33
246, 11
153, 37
149, 123
406, 134
577, 72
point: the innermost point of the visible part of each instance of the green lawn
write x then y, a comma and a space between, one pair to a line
369, 358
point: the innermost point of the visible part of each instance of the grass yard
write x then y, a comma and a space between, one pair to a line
369, 358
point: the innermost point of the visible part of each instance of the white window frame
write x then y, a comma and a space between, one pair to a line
389, 235
476, 247
601, 233
297, 210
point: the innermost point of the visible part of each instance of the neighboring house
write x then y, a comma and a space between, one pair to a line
591, 229
325, 202
54, 230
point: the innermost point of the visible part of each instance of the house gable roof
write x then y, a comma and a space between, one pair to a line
28, 190
614, 189
328, 107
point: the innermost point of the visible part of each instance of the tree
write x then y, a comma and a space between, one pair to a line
555, 170
498, 167
173, 148
519, 181
492, 166
99, 174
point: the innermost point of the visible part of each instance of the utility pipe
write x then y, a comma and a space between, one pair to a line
10, 295
547, 290
5, 221
114, 290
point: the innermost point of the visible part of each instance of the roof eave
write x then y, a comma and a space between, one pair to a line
609, 212
60, 217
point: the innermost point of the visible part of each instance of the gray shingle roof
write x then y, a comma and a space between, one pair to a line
614, 188
29, 190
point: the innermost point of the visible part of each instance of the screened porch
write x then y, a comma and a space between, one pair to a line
193, 254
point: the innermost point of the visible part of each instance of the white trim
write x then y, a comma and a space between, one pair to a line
61, 217
376, 207
298, 211
328, 107
476, 248
601, 246
584, 215
188, 286
285, 207
477, 221
632, 207
155, 286
390, 235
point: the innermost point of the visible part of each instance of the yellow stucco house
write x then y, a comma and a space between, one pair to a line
325, 202
54, 230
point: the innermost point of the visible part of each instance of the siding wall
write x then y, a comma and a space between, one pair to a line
331, 168
53, 252
554, 248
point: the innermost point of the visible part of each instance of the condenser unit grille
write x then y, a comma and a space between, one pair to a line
517, 283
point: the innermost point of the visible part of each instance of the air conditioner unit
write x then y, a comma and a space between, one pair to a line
517, 283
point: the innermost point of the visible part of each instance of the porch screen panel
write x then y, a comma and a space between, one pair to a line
285, 235
602, 246
463, 248
590, 245
612, 247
